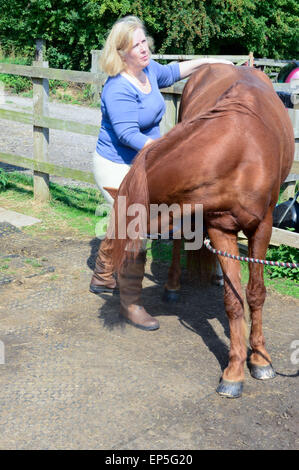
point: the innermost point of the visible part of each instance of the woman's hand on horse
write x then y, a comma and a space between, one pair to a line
190, 66
148, 142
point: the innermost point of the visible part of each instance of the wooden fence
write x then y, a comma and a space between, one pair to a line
41, 122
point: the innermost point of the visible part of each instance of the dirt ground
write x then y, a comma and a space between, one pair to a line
75, 376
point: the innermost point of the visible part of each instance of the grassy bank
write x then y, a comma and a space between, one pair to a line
73, 212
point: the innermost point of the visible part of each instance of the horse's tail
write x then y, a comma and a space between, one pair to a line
133, 190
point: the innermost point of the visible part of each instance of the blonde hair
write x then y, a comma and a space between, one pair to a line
118, 42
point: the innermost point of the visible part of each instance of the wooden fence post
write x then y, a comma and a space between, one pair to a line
288, 191
170, 117
40, 134
290, 187
95, 68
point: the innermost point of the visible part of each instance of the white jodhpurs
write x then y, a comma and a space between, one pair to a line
108, 174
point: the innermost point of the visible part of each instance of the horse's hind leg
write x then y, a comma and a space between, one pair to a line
260, 361
231, 384
172, 287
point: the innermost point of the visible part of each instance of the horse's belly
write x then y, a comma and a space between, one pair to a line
222, 220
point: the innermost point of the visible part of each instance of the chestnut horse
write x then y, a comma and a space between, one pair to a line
230, 152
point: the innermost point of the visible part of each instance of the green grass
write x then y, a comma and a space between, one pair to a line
33, 262
71, 209
284, 286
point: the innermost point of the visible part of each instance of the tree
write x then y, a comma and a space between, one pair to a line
72, 28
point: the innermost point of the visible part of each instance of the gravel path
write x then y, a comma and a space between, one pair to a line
66, 148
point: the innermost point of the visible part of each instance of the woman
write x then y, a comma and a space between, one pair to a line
132, 108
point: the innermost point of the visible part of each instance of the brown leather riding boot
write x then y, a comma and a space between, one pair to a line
130, 286
103, 279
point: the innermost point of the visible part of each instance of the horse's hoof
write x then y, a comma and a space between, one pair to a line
230, 389
170, 295
262, 372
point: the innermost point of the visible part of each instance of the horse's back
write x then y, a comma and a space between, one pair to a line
219, 88
210, 81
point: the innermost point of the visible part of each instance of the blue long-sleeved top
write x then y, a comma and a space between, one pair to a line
129, 116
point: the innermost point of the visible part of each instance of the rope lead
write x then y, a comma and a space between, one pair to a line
249, 260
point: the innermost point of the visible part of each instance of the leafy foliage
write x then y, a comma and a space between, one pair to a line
286, 254
72, 28
3, 179
177, 26
15, 83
